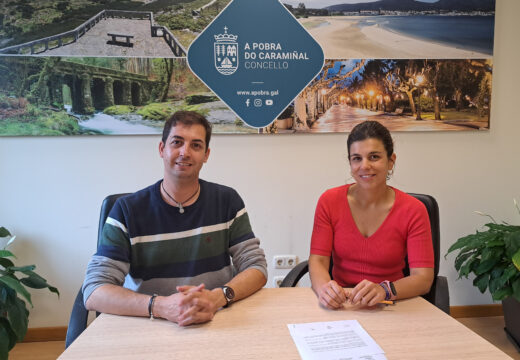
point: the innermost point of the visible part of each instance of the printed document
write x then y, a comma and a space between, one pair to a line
335, 340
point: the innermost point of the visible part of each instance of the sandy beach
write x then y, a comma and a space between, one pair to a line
340, 38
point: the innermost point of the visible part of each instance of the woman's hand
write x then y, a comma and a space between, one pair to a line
366, 293
331, 295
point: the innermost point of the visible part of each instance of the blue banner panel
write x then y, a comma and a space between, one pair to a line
257, 58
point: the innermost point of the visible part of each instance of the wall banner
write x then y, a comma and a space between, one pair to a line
257, 58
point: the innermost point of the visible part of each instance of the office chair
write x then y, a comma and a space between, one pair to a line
439, 292
79, 314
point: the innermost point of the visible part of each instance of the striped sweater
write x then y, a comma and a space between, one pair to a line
149, 247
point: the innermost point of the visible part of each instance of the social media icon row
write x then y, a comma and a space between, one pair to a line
258, 102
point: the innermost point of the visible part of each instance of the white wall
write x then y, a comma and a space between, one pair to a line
51, 188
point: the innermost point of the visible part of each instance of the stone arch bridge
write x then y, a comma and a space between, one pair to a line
95, 88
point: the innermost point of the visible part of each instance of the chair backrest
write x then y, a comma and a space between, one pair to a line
79, 315
433, 212
106, 206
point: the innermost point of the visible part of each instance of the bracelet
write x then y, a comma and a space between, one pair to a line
150, 306
391, 292
383, 285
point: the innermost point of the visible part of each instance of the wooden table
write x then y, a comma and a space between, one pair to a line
256, 328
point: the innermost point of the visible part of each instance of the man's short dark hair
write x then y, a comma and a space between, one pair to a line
186, 118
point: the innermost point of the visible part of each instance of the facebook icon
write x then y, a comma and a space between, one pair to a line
247, 102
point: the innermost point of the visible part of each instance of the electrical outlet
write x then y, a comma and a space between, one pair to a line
277, 281
285, 261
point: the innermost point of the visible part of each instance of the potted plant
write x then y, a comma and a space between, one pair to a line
14, 315
493, 256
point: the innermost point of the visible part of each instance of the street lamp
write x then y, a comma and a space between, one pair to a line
371, 94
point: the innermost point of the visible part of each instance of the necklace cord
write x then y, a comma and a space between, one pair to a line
178, 202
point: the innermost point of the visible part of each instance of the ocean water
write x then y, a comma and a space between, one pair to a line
464, 32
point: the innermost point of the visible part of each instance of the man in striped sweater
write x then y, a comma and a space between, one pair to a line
181, 248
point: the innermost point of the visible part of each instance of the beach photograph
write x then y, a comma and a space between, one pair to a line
61, 96
136, 28
411, 29
404, 95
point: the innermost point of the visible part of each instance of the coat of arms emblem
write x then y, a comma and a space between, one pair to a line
226, 53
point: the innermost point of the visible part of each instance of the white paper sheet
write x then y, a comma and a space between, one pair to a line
335, 340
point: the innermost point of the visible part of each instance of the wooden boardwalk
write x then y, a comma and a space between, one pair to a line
94, 42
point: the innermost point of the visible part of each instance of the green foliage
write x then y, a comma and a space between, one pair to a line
119, 110
156, 111
161, 111
14, 316
184, 18
493, 256
34, 120
62, 122
426, 103
200, 99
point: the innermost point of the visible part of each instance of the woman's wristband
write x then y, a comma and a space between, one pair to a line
390, 291
387, 294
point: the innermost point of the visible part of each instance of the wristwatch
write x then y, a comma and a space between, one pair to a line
229, 295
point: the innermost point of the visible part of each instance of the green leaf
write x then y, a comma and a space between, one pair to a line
54, 290
495, 243
490, 259
14, 284
508, 274
462, 242
23, 268
466, 269
4, 232
497, 271
6, 253
512, 242
485, 266
4, 340
516, 288
35, 281
3, 293
502, 227
516, 259
6, 262
6, 336
502, 293
459, 260
495, 279
480, 241
481, 282
18, 316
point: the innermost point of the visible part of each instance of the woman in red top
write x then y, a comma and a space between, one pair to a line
369, 228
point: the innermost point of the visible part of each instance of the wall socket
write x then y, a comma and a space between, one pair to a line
277, 281
285, 261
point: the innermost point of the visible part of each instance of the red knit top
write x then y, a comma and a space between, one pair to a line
405, 231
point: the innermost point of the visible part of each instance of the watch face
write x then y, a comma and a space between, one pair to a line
229, 293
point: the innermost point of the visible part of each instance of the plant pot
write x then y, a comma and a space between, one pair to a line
511, 308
